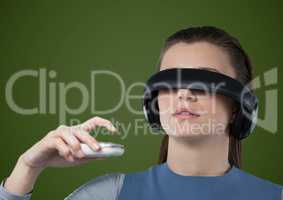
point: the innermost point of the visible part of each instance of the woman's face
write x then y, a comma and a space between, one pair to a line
214, 111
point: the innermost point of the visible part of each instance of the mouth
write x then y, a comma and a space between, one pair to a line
185, 113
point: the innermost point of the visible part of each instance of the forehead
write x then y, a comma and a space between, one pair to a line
198, 55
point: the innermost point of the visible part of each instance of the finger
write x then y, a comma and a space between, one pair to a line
63, 149
71, 141
98, 121
86, 138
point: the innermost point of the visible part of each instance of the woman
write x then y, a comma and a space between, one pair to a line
200, 165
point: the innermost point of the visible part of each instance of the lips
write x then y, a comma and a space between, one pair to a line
185, 113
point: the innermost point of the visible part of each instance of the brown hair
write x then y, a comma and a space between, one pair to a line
240, 62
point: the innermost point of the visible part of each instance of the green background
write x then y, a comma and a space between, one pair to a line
75, 37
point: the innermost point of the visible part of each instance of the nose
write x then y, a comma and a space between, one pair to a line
186, 94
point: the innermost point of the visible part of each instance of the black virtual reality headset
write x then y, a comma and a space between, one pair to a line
204, 81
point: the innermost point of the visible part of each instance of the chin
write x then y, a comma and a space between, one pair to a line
185, 130
187, 134
188, 137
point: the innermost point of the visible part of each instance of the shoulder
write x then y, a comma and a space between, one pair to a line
258, 183
250, 177
105, 186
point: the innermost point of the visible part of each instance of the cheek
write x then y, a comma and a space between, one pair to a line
166, 109
165, 103
220, 109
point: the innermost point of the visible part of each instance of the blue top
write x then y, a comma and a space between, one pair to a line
160, 182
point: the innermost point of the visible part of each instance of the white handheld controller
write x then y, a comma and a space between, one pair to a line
108, 149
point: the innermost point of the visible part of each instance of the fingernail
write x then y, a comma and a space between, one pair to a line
81, 153
71, 158
113, 128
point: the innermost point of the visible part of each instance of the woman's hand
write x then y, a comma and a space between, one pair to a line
59, 148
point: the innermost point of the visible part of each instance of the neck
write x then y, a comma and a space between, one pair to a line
199, 155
